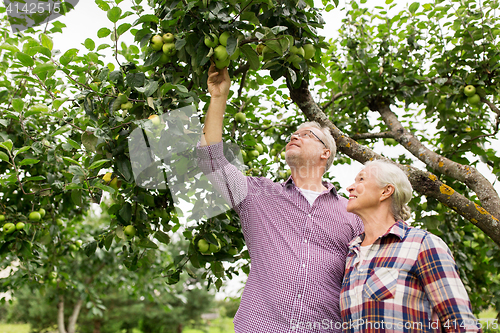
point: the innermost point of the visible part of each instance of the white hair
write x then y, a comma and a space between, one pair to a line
327, 139
389, 174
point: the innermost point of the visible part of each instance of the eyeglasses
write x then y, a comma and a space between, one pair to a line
306, 134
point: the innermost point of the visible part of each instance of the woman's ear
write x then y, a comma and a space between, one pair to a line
326, 154
387, 192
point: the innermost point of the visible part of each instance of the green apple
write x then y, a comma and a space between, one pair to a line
169, 49
259, 148
222, 64
35, 216
235, 54
53, 275
2, 217
283, 154
168, 38
20, 225
224, 37
203, 246
211, 40
259, 49
288, 173
469, 90
155, 119
297, 50
220, 53
59, 222
253, 153
9, 228
127, 106
309, 51
244, 154
42, 212
474, 99
129, 231
214, 248
164, 59
73, 247
240, 117
156, 42
233, 251
79, 243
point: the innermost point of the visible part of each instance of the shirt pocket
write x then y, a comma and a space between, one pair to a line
381, 284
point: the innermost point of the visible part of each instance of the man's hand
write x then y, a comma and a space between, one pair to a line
218, 82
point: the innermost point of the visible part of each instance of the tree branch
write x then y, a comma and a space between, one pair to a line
463, 173
423, 182
364, 136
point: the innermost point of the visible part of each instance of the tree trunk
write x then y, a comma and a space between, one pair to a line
60, 315
179, 328
97, 326
74, 317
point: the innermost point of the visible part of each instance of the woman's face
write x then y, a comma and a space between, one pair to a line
364, 194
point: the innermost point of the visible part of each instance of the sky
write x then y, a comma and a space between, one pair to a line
87, 19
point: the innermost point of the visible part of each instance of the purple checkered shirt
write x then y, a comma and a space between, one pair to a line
297, 251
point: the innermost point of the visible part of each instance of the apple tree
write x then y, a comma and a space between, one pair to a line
388, 83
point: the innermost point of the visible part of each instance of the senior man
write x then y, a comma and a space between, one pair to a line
297, 232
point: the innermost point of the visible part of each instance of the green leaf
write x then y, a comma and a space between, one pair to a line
89, 141
70, 160
37, 108
76, 196
29, 161
102, 4
103, 32
162, 237
123, 28
90, 248
56, 104
114, 14
7, 145
61, 130
126, 212
251, 55
46, 41
98, 164
21, 150
146, 243
32, 179
25, 59
73, 144
18, 104
68, 56
413, 7
4, 156
89, 44
104, 187
147, 18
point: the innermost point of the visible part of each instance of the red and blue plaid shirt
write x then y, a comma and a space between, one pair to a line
408, 282
297, 250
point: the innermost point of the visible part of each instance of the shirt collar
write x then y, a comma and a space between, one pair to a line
398, 229
290, 183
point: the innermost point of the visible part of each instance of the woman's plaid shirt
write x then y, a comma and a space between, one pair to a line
408, 282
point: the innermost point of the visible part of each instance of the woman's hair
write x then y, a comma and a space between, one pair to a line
327, 139
388, 173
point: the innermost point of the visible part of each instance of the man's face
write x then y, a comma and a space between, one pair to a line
305, 148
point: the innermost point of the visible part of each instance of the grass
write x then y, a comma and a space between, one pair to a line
221, 325
14, 328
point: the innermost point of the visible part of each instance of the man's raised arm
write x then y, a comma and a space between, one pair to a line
218, 86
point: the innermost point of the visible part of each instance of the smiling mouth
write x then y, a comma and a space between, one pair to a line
352, 197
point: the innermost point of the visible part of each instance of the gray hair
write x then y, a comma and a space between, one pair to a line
388, 173
327, 139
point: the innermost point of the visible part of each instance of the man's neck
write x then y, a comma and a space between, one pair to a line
314, 184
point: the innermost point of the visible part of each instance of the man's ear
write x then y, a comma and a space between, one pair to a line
387, 192
326, 153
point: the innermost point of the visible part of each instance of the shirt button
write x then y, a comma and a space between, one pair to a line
298, 296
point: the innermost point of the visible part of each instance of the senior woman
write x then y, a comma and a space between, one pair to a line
398, 278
